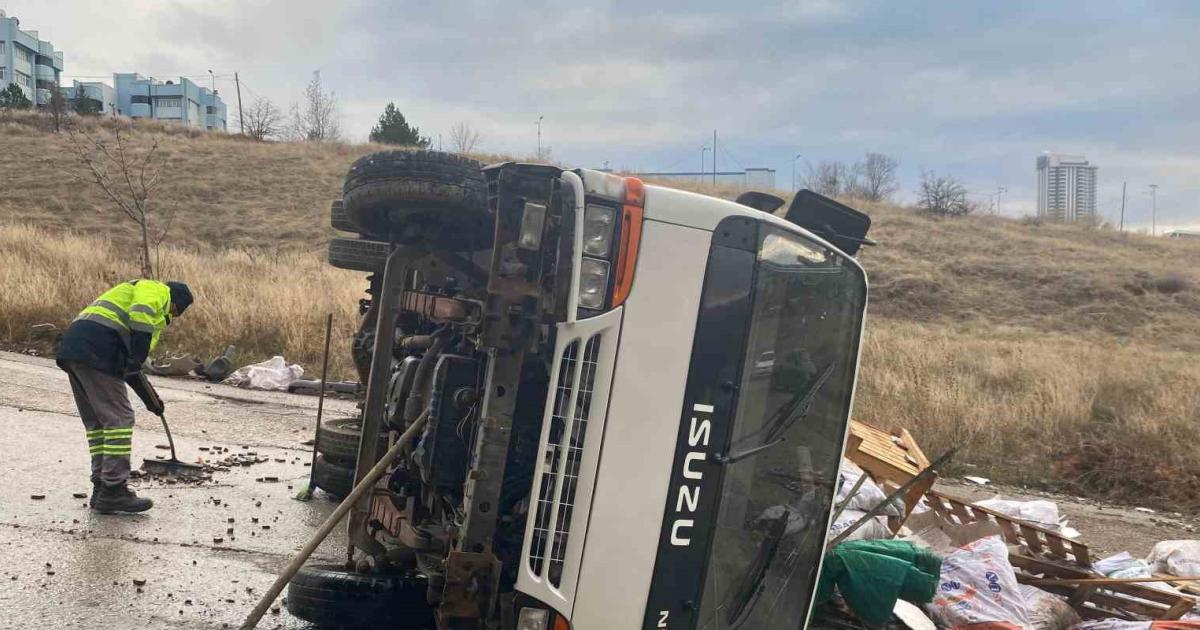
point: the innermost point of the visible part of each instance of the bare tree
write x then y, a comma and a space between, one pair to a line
263, 119
943, 195
463, 137
876, 177
316, 117
128, 175
57, 107
832, 179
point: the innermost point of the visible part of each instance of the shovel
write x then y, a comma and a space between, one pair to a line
145, 391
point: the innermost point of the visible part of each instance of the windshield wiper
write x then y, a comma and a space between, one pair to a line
775, 429
752, 582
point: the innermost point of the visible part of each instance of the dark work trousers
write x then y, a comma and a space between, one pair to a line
108, 419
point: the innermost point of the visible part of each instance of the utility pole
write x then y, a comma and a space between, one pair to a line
1153, 209
714, 157
704, 149
539, 126
214, 81
1000, 190
241, 122
1122, 224
794, 188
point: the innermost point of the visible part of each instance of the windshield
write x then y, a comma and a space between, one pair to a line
792, 410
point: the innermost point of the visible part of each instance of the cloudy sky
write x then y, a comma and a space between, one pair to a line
973, 89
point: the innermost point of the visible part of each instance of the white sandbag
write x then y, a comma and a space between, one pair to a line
874, 529
273, 373
1048, 611
1112, 624
869, 494
1176, 557
978, 586
1042, 512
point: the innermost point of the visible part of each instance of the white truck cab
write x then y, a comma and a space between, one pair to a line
622, 456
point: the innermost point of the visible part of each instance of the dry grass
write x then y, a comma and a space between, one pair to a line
1060, 355
263, 304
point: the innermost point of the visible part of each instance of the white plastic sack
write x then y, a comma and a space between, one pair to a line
273, 373
874, 529
1116, 562
1048, 611
978, 585
1112, 624
868, 496
1176, 557
1042, 512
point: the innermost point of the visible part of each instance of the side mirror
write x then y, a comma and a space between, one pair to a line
841, 225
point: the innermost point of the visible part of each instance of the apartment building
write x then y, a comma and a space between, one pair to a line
102, 96
1066, 186
173, 100
27, 61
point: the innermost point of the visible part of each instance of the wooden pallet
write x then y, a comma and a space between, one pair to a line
1130, 602
891, 459
1039, 540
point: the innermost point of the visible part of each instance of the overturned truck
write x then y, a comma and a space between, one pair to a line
632, 400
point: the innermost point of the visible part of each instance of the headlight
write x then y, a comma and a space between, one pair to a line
532, 221
593, 283
598, 230
533, 619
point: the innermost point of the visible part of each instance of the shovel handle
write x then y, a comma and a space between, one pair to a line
170, 441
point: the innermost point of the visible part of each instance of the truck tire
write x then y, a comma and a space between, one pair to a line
338, 439
337, 217
332, 478
358, 254
422, 197
329, 597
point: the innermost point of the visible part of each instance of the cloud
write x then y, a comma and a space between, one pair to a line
974, 89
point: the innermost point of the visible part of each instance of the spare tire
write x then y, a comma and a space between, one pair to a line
420, 197
337, 440
332, 478
358, 254
337, 217
330, 597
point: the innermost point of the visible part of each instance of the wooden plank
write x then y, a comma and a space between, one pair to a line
960, 511
1082, 555
1011, 535
914, 449
1030, 535
1056, 546
1179, 609
1079, 596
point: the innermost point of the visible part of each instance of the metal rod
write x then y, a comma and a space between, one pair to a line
367, 483
853, 491
312, 469
170, 441
899, 492
576, 185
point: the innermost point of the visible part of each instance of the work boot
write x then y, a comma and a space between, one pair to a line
120, 499
96, 485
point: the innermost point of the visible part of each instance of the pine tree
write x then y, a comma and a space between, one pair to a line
14, 98
393, 129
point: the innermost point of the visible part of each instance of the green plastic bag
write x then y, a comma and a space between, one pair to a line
872, 574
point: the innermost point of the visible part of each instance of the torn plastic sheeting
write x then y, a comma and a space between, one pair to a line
869, 494
274, 374
1048, 611
874, 529
1123, 565
1176, 557
979, 586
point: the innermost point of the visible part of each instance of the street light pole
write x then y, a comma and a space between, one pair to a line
1153, 209
794, 172
539, 126
704, 149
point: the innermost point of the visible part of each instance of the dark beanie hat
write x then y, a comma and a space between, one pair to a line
181, 295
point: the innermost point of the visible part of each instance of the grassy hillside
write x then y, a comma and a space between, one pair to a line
1059, 355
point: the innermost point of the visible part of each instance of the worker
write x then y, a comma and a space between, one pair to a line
103, 348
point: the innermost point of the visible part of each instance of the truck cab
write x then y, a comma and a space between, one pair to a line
635, 399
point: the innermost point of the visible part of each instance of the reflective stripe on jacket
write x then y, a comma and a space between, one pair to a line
138, 306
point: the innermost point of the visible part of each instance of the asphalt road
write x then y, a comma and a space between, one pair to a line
64, 566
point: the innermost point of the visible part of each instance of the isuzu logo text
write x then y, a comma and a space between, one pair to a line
688, 493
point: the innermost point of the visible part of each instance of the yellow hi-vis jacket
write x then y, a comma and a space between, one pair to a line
136, 311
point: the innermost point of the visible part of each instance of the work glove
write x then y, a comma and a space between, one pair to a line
145, 391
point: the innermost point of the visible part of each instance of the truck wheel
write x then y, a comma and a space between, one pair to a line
423, 197
327, 596
332, 478
337, 217
358, 254
338, 440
